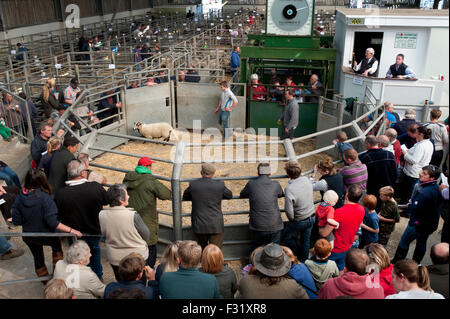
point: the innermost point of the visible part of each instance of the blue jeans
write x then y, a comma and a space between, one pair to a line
409, 235
339, 259
262, 238
95, 262
4, 245
224, 117
295, 229
10, 177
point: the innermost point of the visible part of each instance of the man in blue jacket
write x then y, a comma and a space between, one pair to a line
424, 211
235, 63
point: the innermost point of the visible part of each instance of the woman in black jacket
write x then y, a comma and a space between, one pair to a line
36, 211
50, 97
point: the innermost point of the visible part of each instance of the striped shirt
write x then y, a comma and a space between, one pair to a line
355, 174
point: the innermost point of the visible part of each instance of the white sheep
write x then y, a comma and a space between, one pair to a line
156, 130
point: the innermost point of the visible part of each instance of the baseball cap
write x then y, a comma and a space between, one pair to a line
145, 161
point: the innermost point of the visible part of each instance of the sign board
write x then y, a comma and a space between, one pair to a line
112, 66
358, 80
405, 40
13, 51
355, 21
58, 66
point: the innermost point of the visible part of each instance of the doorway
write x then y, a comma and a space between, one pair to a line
364, 40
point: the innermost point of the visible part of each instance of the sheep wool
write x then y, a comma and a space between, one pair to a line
156, 130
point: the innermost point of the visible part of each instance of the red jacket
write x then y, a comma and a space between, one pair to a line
386, 281
350, 284
397, 151
255, 90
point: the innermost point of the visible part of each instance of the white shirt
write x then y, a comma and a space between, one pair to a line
417, 157
416, 294
390, 148
372, 70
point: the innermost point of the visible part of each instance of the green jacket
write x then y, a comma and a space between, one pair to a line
143, 190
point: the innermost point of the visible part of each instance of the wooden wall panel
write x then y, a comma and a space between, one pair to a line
118, 5
88, 8
17, 13
140, 4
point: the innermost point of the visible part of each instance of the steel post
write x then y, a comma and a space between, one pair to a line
176, 191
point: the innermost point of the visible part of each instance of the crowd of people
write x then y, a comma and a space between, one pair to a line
334, 250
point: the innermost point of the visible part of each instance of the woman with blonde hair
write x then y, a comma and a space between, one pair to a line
212, 263
331, 179
411, 281
49, 97
53, 144
301, 274
169, 261
379, 259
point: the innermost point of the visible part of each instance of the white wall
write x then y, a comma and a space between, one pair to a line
413, 57
437, 59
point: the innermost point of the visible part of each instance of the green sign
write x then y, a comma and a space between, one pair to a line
405, 40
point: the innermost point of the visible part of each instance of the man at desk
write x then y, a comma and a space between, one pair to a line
400, 70
367, 66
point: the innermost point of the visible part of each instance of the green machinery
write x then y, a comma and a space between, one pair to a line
287, 45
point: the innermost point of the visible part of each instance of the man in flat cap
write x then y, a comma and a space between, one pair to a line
206, 195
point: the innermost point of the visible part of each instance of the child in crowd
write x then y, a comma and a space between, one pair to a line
320, 267
301, 274
250, 268
388, 215
341, 144
369, 226
325, 213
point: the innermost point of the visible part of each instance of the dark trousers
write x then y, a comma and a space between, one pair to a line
383, 238
205, 239
262, 238
289, 134
296, 229
436, 159
408, 187
11, 194
151, 260
36, 245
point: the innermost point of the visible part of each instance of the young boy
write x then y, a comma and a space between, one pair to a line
341, 144
325, 213
320, 267
388, 215
369, 226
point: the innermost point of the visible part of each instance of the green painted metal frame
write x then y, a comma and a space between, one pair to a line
264, 114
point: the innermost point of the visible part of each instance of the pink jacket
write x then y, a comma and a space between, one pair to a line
351, 284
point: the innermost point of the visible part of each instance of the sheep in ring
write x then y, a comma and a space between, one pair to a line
156, 130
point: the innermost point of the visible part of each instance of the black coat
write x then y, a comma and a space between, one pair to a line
264, 210
58, 168
79, 206
381, 169
206, 195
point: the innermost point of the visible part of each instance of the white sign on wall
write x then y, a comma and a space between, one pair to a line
405, 40
358, 80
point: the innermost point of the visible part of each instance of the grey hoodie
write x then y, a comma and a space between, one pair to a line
321, 272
